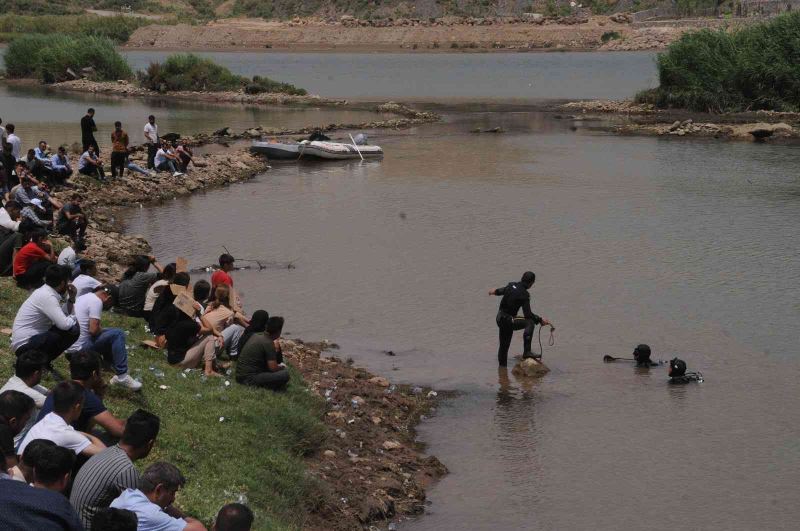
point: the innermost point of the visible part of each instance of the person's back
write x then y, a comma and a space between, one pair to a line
100, 480
514, 298
29, 508
133, 291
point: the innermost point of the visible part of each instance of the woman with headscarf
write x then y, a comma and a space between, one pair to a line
258, 324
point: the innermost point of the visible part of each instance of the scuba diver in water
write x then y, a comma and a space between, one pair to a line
515, 296
642, 356
678, 374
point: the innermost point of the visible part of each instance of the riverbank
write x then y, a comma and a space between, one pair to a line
629, 118
450, 34
335, 451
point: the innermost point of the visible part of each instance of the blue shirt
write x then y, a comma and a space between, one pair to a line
151, 516
23, 508
58, 164
92, 406
41, 155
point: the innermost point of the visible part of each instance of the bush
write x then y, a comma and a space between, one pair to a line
47, 57
190, 72
609, 36
754, 68
116, 28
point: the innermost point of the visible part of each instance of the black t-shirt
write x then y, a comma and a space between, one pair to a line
181, 335
92, 406
87, 127
253, 358
68, 208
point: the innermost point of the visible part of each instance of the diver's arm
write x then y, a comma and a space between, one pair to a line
526, 311
498, 291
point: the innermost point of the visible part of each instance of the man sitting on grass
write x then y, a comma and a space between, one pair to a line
28, 372
106, 475
91, 165
53, 468
15, 411
152, 501
85, 282
261, 361
67, 399
33, 260
108, 342
234, 517
60, 166
84, 369
41, 323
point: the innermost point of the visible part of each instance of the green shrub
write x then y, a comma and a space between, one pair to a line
754, 68
48, 57
116, 28
190, 72
609, 36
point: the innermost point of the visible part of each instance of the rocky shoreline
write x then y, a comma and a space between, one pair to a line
626, 117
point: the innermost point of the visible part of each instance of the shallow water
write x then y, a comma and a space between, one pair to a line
690, 246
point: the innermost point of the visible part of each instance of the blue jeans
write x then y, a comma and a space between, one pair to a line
111, 343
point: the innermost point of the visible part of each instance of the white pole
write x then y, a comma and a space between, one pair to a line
356, 146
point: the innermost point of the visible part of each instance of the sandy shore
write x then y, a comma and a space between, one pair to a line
453, 35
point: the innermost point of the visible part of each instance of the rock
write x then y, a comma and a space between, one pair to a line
225, 131
762, 130
534, 18
379, 380
391, 445
357, 401
329, 453
675, 125
530, 368
253, 133
375, 509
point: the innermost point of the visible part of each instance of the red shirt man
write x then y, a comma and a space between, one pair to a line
29, 254
221, 276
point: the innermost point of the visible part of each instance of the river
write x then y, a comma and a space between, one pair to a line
688, 245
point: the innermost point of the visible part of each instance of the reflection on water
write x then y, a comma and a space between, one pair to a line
688, 246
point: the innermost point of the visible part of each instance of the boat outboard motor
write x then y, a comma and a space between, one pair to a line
360, 139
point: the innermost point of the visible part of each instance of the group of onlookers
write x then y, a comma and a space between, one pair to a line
54, 167
73, 459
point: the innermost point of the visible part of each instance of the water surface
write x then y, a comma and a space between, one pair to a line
690, 246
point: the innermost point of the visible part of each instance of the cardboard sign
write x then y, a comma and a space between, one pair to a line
185, 303
181, 265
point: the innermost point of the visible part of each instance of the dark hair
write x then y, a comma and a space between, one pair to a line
118, 124
11, 204
10, 128
202, 289
38, 234
86, 265
54, 275
65, 395
14, 404
161, 473
528, 278
83, 364
275, 325
258, 325
34, 449
234, 517
140, 264
225, 259
141, 428
169, 271
52, 463
181, 279
149, 117
642, 355
91, 110
112, 519
29, 362
677, 368
62, 148
76, 196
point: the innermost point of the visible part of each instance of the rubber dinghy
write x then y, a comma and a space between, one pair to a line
315, 150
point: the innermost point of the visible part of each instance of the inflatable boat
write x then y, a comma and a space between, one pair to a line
315, 150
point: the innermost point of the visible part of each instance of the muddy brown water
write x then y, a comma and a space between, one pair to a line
690, 246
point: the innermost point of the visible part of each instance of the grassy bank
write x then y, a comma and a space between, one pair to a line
49, 57
256, 451
753, 68
190, 72
117, 28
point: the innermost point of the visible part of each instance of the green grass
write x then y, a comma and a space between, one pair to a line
47, 58
116, 28
753, 68
66, 7
190, 72
257, 451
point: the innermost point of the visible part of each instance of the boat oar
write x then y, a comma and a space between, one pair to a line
609, 359
356, 146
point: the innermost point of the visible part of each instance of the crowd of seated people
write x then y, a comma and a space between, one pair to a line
68, 461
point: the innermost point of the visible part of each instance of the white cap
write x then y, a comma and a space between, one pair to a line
37, 202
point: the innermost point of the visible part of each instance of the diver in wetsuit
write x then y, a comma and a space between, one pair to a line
515, 296
642, 356
678, 374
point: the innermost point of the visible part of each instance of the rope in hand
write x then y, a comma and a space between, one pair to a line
550, 342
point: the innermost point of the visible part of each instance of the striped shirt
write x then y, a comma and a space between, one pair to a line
103, 478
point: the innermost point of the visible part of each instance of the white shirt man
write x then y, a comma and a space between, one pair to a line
37, 393
16, 145
37, 315
54, 428
150, 133
67, 257
6, 222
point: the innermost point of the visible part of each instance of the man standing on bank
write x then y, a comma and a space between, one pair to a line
515, 296
88, 128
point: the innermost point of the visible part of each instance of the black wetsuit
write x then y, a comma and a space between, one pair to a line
515, 296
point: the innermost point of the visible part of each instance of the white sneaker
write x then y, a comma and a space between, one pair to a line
177, 174
152, 173
126, 381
